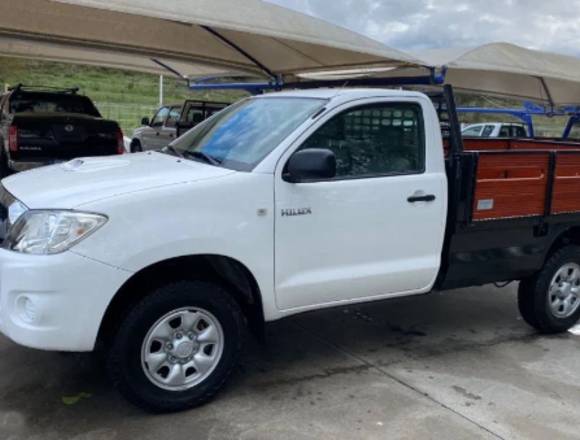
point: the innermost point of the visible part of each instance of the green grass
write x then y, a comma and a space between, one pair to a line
120, 95
128, 96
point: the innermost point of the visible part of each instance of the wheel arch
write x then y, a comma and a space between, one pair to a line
564, 237
228, 272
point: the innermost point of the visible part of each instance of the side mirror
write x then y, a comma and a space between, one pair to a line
311, 164
145, 121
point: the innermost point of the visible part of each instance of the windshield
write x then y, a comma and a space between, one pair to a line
242, 135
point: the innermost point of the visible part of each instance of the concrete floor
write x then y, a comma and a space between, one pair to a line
460, 365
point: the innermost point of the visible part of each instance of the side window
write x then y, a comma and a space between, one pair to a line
160, 117
505, 131
487, 131
194, 115
472, 131
372, 140
520, 132
173, 117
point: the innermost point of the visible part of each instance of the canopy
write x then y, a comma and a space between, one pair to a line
499, 69
510, 71
192, 37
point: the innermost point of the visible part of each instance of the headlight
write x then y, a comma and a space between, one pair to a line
50, 232
15, 210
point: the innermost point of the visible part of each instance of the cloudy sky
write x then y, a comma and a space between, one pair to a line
423, 24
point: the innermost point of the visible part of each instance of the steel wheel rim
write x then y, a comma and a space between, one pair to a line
564, 291
182, 348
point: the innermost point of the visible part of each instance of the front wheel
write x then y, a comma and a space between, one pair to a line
177, 347
550, 300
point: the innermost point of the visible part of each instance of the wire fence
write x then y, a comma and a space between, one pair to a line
127, 115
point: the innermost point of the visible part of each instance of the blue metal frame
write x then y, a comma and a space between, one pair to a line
528, 111
208, 83
525, 113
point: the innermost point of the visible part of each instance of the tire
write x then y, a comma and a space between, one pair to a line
136, 146
548, 312
141, 382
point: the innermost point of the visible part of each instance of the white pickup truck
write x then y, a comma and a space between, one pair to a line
280, 204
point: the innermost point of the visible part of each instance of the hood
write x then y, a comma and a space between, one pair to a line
80, 181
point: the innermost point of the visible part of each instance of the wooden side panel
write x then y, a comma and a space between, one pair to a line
510, 185
485, 144
492, 144
566, 195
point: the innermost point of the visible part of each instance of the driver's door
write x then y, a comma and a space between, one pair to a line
359, 235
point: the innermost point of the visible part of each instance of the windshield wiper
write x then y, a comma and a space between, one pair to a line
172, 150
203, 156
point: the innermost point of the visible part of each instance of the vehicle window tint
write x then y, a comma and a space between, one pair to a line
520, 132
245, 133
505, 131
38, 102
194, 116
487, 131
374, 140
472, 131
160, 117
173, 117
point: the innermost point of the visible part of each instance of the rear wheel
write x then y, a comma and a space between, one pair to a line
176, 348
550, 300
136, 146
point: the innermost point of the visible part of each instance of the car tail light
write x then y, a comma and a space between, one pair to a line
120, 142
13, 138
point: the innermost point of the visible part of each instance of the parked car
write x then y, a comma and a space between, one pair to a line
281, 204
170, 121
40, 126
495, 130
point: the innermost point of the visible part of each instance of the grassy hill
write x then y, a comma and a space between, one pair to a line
128, 96
119, 95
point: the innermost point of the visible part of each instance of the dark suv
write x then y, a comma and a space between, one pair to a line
39, 126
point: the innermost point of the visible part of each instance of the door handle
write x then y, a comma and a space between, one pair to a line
426, 198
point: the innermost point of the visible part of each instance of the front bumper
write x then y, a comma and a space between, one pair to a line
55, 302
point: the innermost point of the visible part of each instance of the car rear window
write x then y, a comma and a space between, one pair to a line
52, 103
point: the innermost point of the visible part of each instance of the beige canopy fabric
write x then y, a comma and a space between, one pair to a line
500, 69
194, 37
511, 71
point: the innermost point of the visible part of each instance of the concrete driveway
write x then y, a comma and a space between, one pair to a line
459, 365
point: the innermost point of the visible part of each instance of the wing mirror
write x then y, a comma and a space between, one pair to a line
145, 121
311, 164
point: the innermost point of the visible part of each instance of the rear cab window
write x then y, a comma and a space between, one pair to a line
40, 102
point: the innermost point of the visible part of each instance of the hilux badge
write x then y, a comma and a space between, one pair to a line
69, 128
296, 212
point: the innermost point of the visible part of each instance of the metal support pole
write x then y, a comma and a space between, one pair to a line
160, 90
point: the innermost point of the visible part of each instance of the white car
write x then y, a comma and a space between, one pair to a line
280, 204
495, 129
